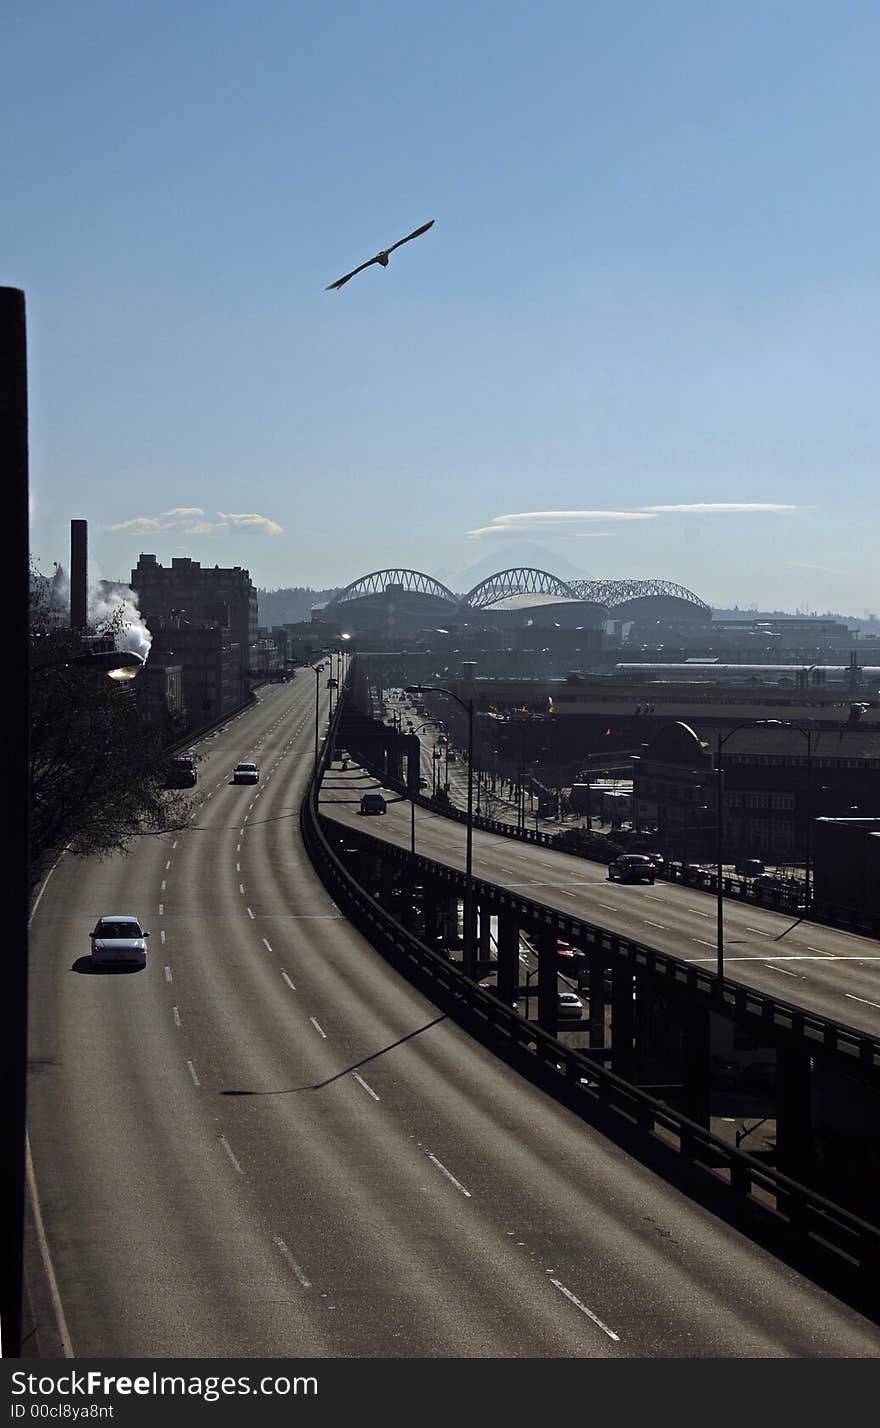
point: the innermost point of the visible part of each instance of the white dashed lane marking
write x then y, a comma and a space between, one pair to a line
318, 1027
300, 1273
449, 1175
584, 1310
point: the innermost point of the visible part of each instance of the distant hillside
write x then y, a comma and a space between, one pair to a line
289, 607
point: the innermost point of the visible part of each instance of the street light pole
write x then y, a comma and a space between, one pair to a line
719, 826
317, 669
469, 959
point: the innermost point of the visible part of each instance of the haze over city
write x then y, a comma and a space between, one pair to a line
641, 333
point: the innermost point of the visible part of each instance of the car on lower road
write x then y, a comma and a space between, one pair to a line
118, 938
246, 773
569, 1007
632, 868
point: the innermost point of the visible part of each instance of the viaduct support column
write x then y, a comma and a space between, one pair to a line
696, 1045
508, 956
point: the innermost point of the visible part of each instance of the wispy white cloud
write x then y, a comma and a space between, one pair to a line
250, 521
135, 523
825, 569
712, 508
549, 522
565, 523
180, 519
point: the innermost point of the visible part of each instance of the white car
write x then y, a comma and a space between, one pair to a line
118, 938
246, 773
569, 1007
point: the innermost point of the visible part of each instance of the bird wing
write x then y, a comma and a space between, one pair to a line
418, 232
339, 281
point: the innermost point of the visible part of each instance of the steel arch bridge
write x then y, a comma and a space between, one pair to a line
523, 580
378, 582
618, 592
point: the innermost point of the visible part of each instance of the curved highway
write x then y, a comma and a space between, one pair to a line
833, 973
267, 1144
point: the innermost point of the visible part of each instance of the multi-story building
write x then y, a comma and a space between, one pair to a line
210, 664
187, 592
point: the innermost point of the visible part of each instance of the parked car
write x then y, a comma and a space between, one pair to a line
569, 1007
118, 938
750, 867
245, 773
632, 868
373, 803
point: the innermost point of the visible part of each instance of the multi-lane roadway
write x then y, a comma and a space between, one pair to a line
267, 1144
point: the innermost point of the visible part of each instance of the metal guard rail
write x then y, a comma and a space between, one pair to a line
806, 1226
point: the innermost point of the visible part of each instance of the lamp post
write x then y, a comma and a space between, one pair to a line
719, 816
468, 706
317, 669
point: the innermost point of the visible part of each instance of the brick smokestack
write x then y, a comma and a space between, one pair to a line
79, 552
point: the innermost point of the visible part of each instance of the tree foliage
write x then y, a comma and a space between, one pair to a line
97, 773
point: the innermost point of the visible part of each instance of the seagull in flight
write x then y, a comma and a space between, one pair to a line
381, 257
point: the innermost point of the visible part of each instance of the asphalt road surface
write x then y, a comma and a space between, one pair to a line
833, 973
268, 1144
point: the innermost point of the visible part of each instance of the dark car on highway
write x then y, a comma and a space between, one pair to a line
632, 868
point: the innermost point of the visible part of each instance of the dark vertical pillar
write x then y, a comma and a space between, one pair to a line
596, 992
794, 1130
79, 578
484, 931
622, 1021
14, 575
696, 1046
508, 956
548, 1001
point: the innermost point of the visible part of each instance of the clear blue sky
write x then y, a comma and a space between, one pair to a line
652, 282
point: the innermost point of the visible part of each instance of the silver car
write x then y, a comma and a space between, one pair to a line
117, 939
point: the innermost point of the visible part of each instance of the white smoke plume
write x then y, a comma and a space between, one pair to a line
112, 608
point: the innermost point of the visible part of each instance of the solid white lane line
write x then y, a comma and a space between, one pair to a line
249, 913
228, 1148
288, 981
361, 1082
584, 1310
175, 1011
168, 976
449, 1176
54, 1292
192, 1072
266, 945
318, 1028
300, 1274
862, 999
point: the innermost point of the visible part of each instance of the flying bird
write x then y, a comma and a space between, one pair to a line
381, 257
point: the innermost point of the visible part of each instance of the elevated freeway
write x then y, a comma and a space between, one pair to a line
268, 1144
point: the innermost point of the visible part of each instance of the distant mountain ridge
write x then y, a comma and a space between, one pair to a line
290, 606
